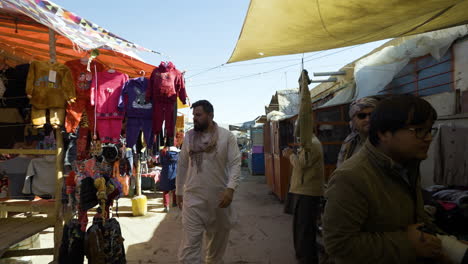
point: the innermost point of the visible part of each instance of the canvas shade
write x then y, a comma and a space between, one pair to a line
280, 27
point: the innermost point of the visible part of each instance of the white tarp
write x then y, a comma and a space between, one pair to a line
288, 101
375, 71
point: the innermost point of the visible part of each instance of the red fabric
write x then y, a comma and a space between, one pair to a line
166, 82
164, 113
109, 130
82, 78
83, 82
82, 144
75, 112
166, 198
70, 182
447, 205
155, 175
125, 182
106, 95
83, 219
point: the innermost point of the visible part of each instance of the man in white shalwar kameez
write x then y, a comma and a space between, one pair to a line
208, 173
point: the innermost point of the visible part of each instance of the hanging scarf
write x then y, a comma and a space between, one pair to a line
201, 142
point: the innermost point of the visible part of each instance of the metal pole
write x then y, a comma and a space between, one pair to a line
321, 81
329, 73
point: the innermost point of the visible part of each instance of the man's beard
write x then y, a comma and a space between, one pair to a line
200, 127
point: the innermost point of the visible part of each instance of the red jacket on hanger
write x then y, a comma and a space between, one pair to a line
166, 82
165, 85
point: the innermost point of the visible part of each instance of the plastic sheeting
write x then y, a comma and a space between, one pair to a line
24, 36
342, 96
279, 27
288, 101
375, 71
277, 116
80, 31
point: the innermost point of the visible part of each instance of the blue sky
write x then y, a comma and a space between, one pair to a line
199, 35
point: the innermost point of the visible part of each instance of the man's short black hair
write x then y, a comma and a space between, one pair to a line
207, 106
397, 112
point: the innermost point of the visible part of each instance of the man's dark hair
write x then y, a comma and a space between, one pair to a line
398, 112
207, 106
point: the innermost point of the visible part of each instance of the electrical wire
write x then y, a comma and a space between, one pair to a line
276, 69
224, 65
205, 71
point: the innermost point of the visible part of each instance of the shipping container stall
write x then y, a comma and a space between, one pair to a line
332, 127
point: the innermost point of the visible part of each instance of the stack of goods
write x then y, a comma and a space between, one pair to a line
93, 182
449, 208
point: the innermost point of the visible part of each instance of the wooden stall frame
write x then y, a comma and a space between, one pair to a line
58, 225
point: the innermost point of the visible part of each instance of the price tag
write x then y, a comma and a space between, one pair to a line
52, 76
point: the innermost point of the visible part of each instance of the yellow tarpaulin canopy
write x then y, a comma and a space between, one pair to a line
280, 27
181, 105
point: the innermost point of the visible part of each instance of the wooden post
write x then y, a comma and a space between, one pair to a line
52, 50
138, 175
58, 228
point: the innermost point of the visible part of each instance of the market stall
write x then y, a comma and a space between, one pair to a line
78, 96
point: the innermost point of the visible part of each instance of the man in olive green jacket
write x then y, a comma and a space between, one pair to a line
374, 211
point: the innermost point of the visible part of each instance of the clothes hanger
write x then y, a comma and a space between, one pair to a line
84, 60
143, 73
111, 69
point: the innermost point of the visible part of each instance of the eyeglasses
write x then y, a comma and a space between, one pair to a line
422, 132
363, 115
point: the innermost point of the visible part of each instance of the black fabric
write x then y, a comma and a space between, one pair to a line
11, 133
452, 221
110, 152
104, 242
88, 198
72, 247
290, 203
306, 213
70, 146
94, 243
15, 93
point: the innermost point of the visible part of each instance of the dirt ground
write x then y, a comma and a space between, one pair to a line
262, 233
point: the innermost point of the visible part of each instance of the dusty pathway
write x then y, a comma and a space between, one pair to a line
261, 235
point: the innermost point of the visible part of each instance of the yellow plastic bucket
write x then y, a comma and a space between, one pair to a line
139, 205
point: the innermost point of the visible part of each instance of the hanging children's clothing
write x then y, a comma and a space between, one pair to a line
82, 80
40, 176
16, 170
50, 86
105, 96
166, 84
139, 113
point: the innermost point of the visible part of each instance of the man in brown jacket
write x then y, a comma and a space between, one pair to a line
374, 212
